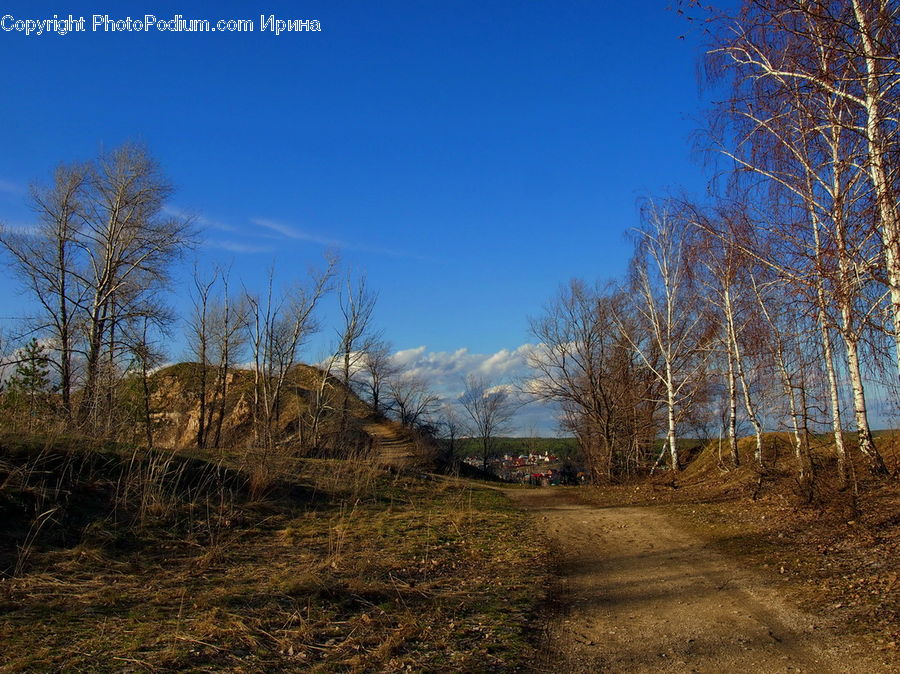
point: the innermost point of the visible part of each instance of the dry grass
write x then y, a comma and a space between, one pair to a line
339, 569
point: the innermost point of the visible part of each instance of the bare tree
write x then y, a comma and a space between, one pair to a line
357, 303
726, 268
199, 338
774, 308
845, 53
58, 210
227, 318
146, 355
450, 426
411, 400
44, 261
376, 370
806, 124
128, 246
99, 258
672, 335
321, 402
584, 363
278, 327
489, 410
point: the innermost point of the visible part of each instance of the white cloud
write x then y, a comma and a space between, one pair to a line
291, 232
9, 187
446, 371
406, 357
238, 247
201, 220
506, 362
18, 228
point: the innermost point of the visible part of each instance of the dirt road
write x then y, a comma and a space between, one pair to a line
638, 594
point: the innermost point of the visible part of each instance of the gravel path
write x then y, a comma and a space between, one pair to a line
636, 593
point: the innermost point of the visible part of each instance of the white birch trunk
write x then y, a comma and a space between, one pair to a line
739, 367
839, 448
732, 410
878, 173
670, 401
866, 443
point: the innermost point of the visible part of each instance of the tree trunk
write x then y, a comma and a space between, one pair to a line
732, 411
739, 366
878, 173
866, 443
671, 437
65, 359
148, 418
836, 425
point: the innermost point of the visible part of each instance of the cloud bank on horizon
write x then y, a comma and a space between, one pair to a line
446, 371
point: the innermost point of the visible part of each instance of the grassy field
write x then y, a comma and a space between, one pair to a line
203, 567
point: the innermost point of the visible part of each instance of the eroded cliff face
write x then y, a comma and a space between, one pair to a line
306, 415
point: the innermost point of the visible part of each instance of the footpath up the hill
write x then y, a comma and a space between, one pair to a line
394, 445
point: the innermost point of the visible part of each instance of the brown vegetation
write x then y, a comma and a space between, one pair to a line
121, 559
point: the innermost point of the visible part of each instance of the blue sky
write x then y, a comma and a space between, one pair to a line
469, 156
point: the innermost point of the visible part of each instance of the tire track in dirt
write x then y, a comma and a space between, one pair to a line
636, 593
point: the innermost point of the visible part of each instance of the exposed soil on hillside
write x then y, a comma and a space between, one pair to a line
638, 591
176, 415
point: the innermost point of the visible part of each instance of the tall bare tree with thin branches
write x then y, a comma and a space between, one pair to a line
671, 333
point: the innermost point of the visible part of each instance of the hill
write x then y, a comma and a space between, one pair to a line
175, 410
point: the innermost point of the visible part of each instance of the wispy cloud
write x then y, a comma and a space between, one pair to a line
242, 247
18, 228
275, 231
291, 232
294, 233
238, 247
200, 219
8, 187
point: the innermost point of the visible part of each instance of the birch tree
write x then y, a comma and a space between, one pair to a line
846, 50
725, 267
795, 114
675, 349
775, 310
